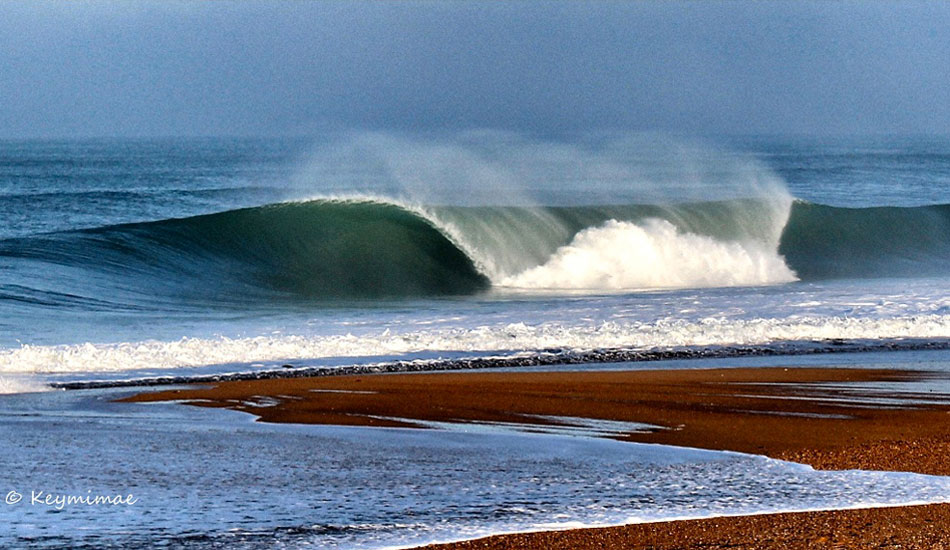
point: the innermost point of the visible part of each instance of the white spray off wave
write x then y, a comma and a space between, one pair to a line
515, 189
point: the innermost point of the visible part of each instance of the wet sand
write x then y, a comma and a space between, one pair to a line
831, 418
784, 413
907, 528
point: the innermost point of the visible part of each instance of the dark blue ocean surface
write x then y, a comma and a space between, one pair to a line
122, 255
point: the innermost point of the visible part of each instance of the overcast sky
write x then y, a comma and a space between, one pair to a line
296, 67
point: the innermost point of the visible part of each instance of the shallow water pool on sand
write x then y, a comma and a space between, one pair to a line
211, 478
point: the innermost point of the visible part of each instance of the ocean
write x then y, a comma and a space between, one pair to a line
125, 259
128, 262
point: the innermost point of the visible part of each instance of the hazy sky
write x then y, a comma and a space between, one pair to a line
296, 67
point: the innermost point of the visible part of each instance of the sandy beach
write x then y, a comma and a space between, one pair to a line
911, 527
830, 418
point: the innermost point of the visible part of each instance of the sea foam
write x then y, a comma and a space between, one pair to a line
653, 254
242, 353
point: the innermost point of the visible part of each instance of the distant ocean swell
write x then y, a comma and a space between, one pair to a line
368, 249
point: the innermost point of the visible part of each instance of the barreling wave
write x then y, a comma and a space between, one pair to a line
321, 248
366, 249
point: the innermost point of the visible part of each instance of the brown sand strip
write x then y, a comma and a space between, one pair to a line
778, 412
784, 413
908, 528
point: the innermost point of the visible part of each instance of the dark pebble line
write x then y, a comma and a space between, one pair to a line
547, 357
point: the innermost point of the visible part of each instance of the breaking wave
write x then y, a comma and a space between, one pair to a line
368, 248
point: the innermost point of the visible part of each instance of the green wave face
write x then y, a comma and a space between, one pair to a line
321, 249
365, 250
825, 242
362, 249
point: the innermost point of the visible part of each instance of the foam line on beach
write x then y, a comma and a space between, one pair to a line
669, 524
483, 339
550, 357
